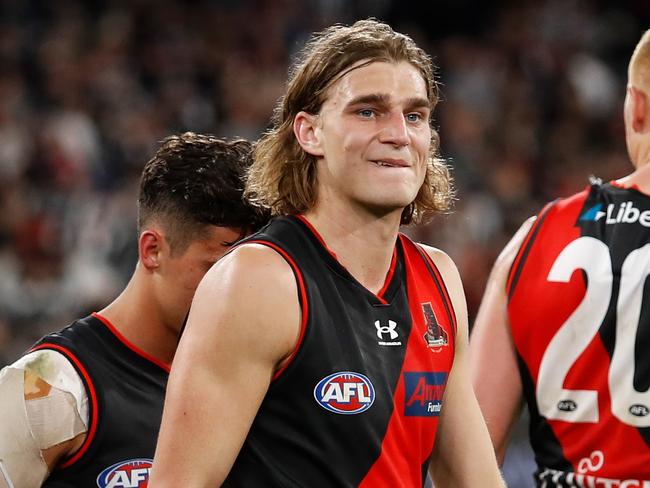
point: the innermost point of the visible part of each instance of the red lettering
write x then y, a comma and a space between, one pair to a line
419, 393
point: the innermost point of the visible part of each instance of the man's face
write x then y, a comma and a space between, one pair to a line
183, 272
374, 138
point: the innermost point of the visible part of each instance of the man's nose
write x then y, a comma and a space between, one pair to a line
395, 130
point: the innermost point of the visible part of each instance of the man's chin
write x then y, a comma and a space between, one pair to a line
387, 209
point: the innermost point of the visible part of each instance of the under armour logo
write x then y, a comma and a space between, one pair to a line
386, 329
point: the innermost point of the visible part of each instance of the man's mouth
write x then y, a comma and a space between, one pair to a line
391, 163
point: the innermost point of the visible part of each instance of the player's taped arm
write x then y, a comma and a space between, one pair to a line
43, 405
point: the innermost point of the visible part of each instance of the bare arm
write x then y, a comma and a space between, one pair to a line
244, 321
493, 360
463, 456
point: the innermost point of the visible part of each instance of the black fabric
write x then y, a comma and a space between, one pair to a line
621, 229
130, 393
340, 336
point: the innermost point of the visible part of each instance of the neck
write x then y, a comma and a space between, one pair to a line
362, 242
639, 178
136, 316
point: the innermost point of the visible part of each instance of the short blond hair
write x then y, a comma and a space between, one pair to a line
639, 70
283, 175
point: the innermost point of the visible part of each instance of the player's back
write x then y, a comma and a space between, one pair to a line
580, 327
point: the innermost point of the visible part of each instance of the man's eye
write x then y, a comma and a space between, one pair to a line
366, 112
414, 117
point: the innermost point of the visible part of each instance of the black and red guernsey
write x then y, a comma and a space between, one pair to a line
580, 321
359, 402
126, 390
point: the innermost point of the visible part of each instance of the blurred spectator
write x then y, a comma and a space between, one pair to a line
531, 94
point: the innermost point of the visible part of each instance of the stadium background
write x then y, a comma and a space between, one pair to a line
532, 96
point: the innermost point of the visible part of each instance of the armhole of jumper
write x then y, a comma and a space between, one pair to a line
440, 285
302, 297
92, 395
524, 250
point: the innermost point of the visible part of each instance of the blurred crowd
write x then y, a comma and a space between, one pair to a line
532, 96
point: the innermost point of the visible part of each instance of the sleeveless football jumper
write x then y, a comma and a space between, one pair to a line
358, 403
126, 391
580, 321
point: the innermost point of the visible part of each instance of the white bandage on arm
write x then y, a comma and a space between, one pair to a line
29, 426
19, 453
5, 481
63, 413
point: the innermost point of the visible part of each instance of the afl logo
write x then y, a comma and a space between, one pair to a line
567, 405
345, 392
639, 410
133, 473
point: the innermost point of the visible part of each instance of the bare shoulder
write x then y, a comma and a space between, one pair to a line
249, 298
452, 281
251, 271
445, 265
250, 263
507, 255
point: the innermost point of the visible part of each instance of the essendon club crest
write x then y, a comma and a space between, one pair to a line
435, 336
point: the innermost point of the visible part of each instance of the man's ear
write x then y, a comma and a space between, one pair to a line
149, 248
640, 107
306, 128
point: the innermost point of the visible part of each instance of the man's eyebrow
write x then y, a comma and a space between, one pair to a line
382, 99
417, 102
374, 98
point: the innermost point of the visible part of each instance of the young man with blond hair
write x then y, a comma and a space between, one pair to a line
329, 349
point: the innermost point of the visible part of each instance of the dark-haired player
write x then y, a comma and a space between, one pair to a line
83, 407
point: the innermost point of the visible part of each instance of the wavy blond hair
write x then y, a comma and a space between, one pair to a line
283, 175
